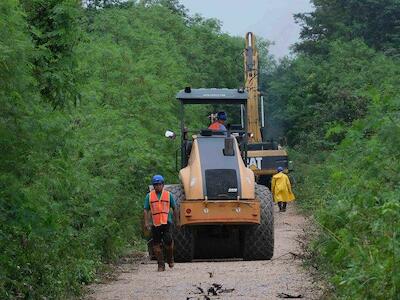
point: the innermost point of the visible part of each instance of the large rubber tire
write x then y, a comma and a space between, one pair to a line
259, 239
183, 236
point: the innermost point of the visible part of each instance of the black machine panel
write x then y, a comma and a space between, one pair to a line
221, 184
272, 162
268, 162
218, 170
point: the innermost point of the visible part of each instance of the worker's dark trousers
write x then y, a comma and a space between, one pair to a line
282, 205
162, 235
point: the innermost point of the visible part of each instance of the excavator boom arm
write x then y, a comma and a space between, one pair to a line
251, 81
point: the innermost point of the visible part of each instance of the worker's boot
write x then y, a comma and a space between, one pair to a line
159, 256
170, 255
284, 206
280, 205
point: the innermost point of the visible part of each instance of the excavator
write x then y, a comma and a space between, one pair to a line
225, 208
264, 155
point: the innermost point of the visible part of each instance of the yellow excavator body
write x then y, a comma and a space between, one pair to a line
263, 158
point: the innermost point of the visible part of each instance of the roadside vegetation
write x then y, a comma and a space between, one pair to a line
86, 94
338, 101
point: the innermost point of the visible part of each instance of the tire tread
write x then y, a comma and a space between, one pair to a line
259, 239
183, 236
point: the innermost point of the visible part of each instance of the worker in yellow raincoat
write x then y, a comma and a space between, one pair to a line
281, 189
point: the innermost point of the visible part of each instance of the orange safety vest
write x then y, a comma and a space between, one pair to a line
216, 126
159, 207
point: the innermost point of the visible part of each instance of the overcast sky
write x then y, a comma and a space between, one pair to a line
272, 19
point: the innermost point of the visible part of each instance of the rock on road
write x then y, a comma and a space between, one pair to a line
238, 279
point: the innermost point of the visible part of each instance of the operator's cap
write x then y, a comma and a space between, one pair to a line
221, 115
157, 179
279, 169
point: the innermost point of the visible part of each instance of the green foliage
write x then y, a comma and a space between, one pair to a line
354, 193
375, 22
55, 30
338, 103
73, 177
316, 98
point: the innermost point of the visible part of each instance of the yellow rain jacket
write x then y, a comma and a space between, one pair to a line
281, 188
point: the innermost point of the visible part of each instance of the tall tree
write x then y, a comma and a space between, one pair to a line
377, 22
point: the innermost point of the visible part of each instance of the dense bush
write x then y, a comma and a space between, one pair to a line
354, 194
338, 102
85, 97
316, 98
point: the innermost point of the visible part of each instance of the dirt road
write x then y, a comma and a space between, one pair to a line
274, 279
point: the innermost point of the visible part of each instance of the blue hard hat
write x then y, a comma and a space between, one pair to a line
157, 179
279, 169
221, 115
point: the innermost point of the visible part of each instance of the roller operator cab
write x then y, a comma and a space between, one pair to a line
223, 212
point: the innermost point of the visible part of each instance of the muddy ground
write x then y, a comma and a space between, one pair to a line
281, 277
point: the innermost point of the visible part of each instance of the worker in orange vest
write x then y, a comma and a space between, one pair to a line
158, 218
281, 189
218, 124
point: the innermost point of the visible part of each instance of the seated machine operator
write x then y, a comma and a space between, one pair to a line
218, 124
